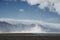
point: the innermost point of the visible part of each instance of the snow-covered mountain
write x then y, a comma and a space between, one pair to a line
6, 27
28, 26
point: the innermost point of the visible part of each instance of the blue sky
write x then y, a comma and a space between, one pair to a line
23, 10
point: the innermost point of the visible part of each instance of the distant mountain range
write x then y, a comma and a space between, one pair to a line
8, 27
26, 27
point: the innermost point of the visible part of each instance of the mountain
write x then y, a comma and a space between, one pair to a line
49, 28
6, 27
28, 27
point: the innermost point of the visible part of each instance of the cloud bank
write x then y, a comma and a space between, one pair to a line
53, 5
44, 27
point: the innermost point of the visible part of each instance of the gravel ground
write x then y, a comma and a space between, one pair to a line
27, 36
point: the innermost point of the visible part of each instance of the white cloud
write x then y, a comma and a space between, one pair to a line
34, 30
19, 20
33, 2
46, 3
21, 10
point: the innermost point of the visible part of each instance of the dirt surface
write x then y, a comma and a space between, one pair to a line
27, 36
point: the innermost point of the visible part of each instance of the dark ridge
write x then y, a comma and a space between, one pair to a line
3, 22
6, 27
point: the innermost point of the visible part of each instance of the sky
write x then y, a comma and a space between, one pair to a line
46, 10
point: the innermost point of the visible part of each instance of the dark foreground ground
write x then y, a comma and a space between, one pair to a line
29, 36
